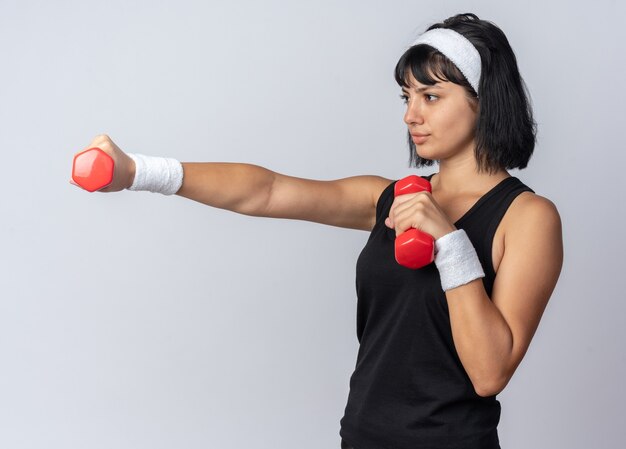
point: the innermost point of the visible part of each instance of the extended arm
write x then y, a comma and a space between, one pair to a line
253, 190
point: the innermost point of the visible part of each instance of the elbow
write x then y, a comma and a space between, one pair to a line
258, 202
492, 388
487, 392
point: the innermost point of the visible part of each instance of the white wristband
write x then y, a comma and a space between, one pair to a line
456, 260
157, 174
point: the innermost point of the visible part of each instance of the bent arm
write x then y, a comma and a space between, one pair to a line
253, 190
491, 335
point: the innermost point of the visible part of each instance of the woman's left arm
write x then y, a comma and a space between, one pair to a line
491, 336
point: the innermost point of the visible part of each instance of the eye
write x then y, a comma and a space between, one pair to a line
405, 98
430, 98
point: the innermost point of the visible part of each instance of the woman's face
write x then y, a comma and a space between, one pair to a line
440, 118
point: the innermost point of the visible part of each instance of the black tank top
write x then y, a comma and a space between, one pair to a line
409, 389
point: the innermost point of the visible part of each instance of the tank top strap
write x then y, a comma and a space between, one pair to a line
384, 202
482, 224
482, 220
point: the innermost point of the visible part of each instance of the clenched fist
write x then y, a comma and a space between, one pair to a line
124, 171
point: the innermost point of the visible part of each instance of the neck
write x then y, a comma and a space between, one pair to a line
462, 176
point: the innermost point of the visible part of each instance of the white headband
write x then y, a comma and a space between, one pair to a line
458, 49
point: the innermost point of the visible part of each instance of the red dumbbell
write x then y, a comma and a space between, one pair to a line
93, 169
414, 248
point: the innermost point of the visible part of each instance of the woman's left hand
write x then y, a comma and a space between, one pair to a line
419, 211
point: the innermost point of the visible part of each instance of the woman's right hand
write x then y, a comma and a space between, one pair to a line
124, 172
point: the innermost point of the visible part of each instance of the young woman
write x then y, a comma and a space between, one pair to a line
437, 344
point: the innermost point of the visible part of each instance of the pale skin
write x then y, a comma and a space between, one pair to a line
491, 335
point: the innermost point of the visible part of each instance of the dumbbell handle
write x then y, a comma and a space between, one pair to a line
93, 169
414, 248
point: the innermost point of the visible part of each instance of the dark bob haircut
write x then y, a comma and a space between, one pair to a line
505, 129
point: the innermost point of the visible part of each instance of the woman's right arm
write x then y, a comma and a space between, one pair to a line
253, 190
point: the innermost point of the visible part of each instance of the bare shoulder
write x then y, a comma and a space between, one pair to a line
369, 188
530, 209
377, 185
533, 228
528, 213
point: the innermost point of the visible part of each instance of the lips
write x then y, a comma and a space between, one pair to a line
419, 138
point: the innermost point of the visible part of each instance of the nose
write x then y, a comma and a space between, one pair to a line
413, 113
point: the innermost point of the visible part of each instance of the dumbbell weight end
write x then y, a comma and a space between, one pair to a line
92, 169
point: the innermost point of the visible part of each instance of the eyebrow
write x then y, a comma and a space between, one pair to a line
422, 89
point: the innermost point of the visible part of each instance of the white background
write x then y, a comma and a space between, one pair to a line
134, 320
